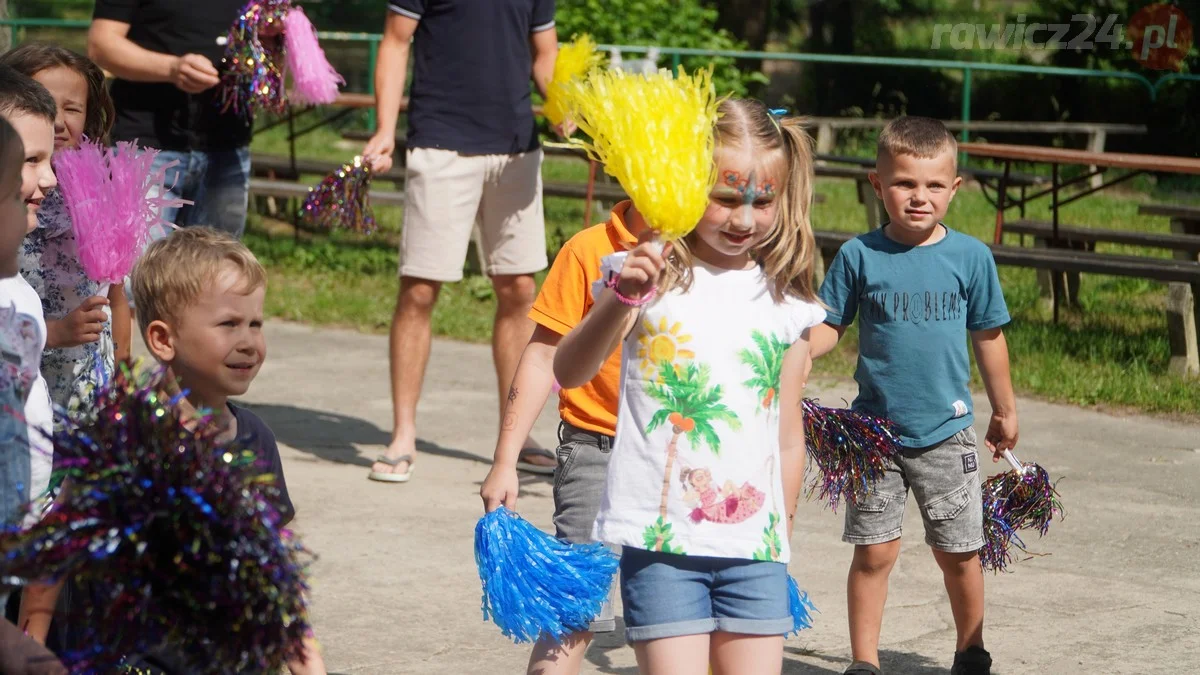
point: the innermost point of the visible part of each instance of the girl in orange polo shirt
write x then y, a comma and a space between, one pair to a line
588, 413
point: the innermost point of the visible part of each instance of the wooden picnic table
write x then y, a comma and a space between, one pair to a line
1135, 164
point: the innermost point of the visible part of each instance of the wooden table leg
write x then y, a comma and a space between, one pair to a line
1057, 280
1182, 328
1001, 195
1183, 312
591, 191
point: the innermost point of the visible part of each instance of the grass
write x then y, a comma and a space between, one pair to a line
1112, 351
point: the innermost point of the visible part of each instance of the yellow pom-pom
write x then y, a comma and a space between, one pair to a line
654, 134
574, 60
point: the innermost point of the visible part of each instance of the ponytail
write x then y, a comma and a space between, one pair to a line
788, 252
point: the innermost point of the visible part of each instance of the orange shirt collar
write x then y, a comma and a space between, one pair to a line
616, 224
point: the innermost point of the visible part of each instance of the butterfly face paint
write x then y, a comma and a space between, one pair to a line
749, 190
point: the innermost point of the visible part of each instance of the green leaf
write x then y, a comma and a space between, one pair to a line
657, 419
649, 536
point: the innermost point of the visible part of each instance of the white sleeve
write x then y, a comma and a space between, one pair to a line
804, 315
610, 266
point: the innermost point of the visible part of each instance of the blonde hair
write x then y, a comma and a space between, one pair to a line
922, 137
174, 270
786, 254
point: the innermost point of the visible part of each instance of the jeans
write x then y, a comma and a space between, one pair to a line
668, 595
217, 182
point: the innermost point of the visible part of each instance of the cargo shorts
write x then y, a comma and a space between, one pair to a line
578, 490
945, 482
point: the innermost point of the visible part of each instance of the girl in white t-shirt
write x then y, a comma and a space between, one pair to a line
708, 459
89, 325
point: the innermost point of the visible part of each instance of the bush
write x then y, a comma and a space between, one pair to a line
662, 23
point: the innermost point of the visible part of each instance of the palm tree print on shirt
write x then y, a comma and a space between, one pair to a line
693, 408
766, 362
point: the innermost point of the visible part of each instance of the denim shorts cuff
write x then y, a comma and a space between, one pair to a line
956, 548
603, 626
667, 630
755, 626
860, 540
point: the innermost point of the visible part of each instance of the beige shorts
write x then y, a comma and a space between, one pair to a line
447, 193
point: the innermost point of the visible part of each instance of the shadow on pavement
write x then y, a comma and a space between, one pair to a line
602, 644
333, 437
892, 662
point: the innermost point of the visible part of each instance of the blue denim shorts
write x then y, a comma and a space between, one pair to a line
669, 595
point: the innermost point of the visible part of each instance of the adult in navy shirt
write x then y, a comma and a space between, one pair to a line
165, 56
472, 157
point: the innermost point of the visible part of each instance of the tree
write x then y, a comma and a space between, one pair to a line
662, 23
747, 20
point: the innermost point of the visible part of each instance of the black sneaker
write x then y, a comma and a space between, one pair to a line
974, 661
862, 668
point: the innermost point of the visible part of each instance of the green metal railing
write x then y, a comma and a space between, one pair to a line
677, 53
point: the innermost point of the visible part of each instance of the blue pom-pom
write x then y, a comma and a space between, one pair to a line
536, 585
800, 606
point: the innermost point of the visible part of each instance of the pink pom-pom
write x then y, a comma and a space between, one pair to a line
556, 387
109, 194
314, 81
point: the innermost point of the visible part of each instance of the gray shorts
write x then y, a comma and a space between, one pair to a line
945, 482
578, 488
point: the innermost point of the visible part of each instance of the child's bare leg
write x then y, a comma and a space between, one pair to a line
553, 658
964, 584
866, 594
310, 662
737, 654
38, 601
683, 655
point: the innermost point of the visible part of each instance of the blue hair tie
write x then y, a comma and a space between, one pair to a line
777, 112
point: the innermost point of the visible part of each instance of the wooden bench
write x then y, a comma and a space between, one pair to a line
1184, 219
970, 172
280, 166
296, 192
264, 187
1182, 277
1185, 222
1089, 236
876, 214
1096, 132
1066, 284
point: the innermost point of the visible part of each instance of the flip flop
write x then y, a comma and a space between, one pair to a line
389, 477
537, 468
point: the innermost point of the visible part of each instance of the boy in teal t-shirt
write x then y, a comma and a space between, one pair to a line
919, 289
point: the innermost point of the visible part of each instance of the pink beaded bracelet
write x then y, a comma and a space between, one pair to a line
626, 300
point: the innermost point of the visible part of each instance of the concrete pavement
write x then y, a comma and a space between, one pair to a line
395, 588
